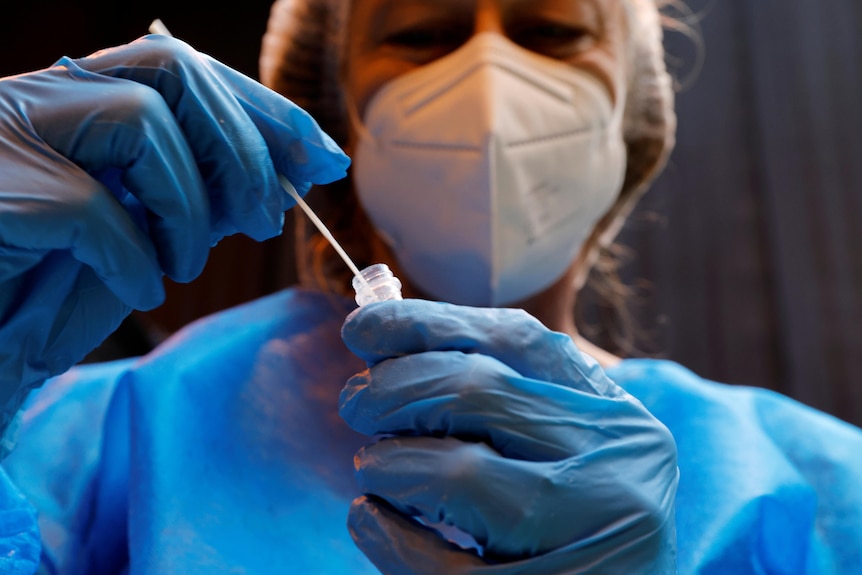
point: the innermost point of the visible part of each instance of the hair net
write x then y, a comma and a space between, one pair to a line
301, 58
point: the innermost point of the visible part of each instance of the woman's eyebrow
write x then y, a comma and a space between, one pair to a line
389, 12
406, 4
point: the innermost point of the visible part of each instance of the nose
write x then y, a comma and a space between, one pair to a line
489, 17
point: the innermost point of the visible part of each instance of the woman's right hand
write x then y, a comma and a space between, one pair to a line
122, 167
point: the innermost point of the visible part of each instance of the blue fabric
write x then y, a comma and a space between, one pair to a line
64, 427
222, 452
767, 485
19, 533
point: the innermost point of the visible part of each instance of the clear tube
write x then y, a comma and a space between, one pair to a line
377, 283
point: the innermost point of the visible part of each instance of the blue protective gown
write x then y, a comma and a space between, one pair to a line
222, 452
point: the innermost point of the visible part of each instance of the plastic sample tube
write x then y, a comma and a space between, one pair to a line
379, 284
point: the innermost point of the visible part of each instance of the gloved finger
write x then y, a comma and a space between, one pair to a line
512, 508
476, 396
391, 329
78, 214
230, 153
132, 130
230, 148
300, 149
398, 545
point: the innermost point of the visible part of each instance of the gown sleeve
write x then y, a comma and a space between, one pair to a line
767, 484
53, 467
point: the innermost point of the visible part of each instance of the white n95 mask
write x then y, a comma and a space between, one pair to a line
486, 170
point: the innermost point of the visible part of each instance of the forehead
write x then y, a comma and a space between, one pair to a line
454, 7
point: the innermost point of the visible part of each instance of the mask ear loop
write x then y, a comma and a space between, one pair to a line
620, 101
356, 122
616, 126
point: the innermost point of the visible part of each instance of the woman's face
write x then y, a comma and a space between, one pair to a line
388, 38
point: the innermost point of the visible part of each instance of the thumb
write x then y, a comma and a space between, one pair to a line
398, 545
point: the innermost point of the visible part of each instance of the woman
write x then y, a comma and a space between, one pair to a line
223, 452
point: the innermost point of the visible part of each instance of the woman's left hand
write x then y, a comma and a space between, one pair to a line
504, 429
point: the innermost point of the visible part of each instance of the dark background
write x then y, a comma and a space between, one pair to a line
747, 250
38, 33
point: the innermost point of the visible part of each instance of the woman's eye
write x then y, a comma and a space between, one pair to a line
551, 39
426, 38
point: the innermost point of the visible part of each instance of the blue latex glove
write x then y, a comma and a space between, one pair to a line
502, 428
122, 167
